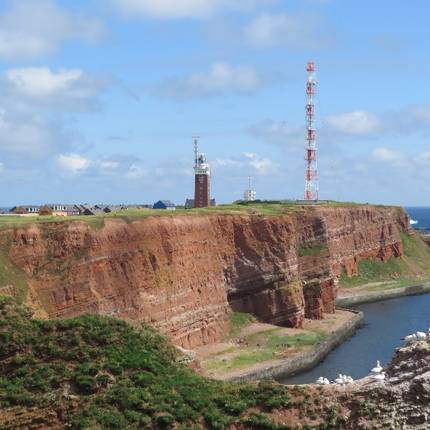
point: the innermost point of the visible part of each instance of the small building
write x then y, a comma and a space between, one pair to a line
72, 210
25, 210
190, 203
90, 210
164, 204
46, 211
60, 209
250, 195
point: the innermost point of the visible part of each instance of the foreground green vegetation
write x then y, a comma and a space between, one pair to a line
411, 269
97, 372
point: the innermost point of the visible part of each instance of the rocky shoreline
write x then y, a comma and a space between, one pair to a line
306, 361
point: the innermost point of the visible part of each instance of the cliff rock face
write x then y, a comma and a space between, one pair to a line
185, 274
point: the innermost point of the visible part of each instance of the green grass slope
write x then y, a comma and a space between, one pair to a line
412, 268
95, 372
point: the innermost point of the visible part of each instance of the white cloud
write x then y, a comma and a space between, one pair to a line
247, 162
280, 133
41, 81
34, 28
174, 9
261, 165
222, 78
68, 89
73, 163
136, 172
284, 30
355, 123
119, 166
385, 155
30, 135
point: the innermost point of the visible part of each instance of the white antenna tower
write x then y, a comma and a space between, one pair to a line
311, 175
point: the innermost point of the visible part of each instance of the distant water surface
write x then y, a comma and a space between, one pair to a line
422, 215
386, 323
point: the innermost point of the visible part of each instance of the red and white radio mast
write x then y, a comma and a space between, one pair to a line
311, 177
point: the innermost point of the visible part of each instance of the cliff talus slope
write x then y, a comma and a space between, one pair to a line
186, 274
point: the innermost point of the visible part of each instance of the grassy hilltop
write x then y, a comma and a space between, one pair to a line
266, 208
96, 372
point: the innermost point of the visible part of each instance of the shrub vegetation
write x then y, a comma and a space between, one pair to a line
101, 373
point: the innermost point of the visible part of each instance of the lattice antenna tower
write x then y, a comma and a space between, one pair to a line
311, 175
196, 151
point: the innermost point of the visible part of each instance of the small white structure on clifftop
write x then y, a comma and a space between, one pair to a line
250, 194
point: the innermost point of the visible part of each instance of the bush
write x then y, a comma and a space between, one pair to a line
120, 376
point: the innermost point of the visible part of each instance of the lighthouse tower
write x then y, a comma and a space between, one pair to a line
202, 189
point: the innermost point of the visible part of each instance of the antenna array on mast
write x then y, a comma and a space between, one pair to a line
311, 175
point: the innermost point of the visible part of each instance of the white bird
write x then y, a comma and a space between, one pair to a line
320, 381
339, 379
421, 335
411, 338
377, 369
349, 379
343, 379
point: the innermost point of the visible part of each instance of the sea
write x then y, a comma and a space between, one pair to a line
420, 218
386, 323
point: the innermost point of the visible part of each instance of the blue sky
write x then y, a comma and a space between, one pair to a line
100, 98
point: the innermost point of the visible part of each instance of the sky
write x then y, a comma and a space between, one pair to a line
99, 99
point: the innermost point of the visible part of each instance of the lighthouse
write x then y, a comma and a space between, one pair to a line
202, 188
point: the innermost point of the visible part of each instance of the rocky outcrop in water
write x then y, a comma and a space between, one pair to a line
186, 274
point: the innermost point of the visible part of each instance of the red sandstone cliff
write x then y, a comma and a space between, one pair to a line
185, 274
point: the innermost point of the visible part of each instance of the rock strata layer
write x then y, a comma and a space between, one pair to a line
186, 274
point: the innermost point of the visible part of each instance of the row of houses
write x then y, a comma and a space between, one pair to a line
76, 210
71, 210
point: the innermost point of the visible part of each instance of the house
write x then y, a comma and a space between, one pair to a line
164, 204
189, 203
90, 210
72, 210
25, 210
46, 211
63, 209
